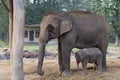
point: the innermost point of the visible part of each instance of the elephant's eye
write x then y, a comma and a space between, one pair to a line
50, 28
50, 32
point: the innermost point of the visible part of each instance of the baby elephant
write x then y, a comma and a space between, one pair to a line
89, 55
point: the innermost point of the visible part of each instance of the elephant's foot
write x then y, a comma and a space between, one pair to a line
61, 70
66, 73
104, 69
41, 73
83, 73
99, 72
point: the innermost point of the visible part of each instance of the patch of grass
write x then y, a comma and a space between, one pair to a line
35, 46
54, 48
3, 44
31, 46
112, 46
5, 62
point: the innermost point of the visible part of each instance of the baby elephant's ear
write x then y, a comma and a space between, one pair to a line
82, 54
65, 26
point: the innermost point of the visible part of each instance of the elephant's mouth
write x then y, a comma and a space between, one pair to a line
51, 36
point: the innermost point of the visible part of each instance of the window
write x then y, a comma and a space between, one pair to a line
37, 33
31, 35
26, 34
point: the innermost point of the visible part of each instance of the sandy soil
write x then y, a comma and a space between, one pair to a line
52, 70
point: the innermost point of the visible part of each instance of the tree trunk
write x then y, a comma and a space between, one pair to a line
116, 28
34, 1
17, 42
10, 12
116, 38
38, 2
10, 24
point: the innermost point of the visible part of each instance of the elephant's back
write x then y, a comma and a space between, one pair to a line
89, 23
92, 51
85, 20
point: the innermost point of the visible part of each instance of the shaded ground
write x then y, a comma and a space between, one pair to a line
52, 71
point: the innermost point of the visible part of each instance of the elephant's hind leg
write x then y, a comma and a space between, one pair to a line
103, 48
66, 52
66, 61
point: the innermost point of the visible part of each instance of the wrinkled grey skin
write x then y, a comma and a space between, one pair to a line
89, 55
77, 29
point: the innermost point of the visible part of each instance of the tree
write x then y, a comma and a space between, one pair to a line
10, 23
10, 12
16, 30
35, 12
111, 10
17, 42
116, 20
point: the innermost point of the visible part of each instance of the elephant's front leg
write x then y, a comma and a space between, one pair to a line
66, 52
77, 66
60, 60
84, 67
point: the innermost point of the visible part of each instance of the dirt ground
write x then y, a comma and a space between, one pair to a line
51, 70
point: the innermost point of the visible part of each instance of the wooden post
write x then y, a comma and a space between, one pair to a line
17, 41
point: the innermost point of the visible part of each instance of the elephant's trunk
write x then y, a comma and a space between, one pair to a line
41, 58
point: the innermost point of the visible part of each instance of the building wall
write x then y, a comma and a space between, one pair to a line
34, 29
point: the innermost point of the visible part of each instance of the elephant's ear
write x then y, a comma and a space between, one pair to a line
82, 55
65, 26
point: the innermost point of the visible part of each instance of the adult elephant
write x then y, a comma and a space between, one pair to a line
77, 29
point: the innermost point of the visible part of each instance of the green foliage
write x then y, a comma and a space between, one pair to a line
112, 46
117, 25
33, 14
111, 10
112, 35
3, 21
35, 11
